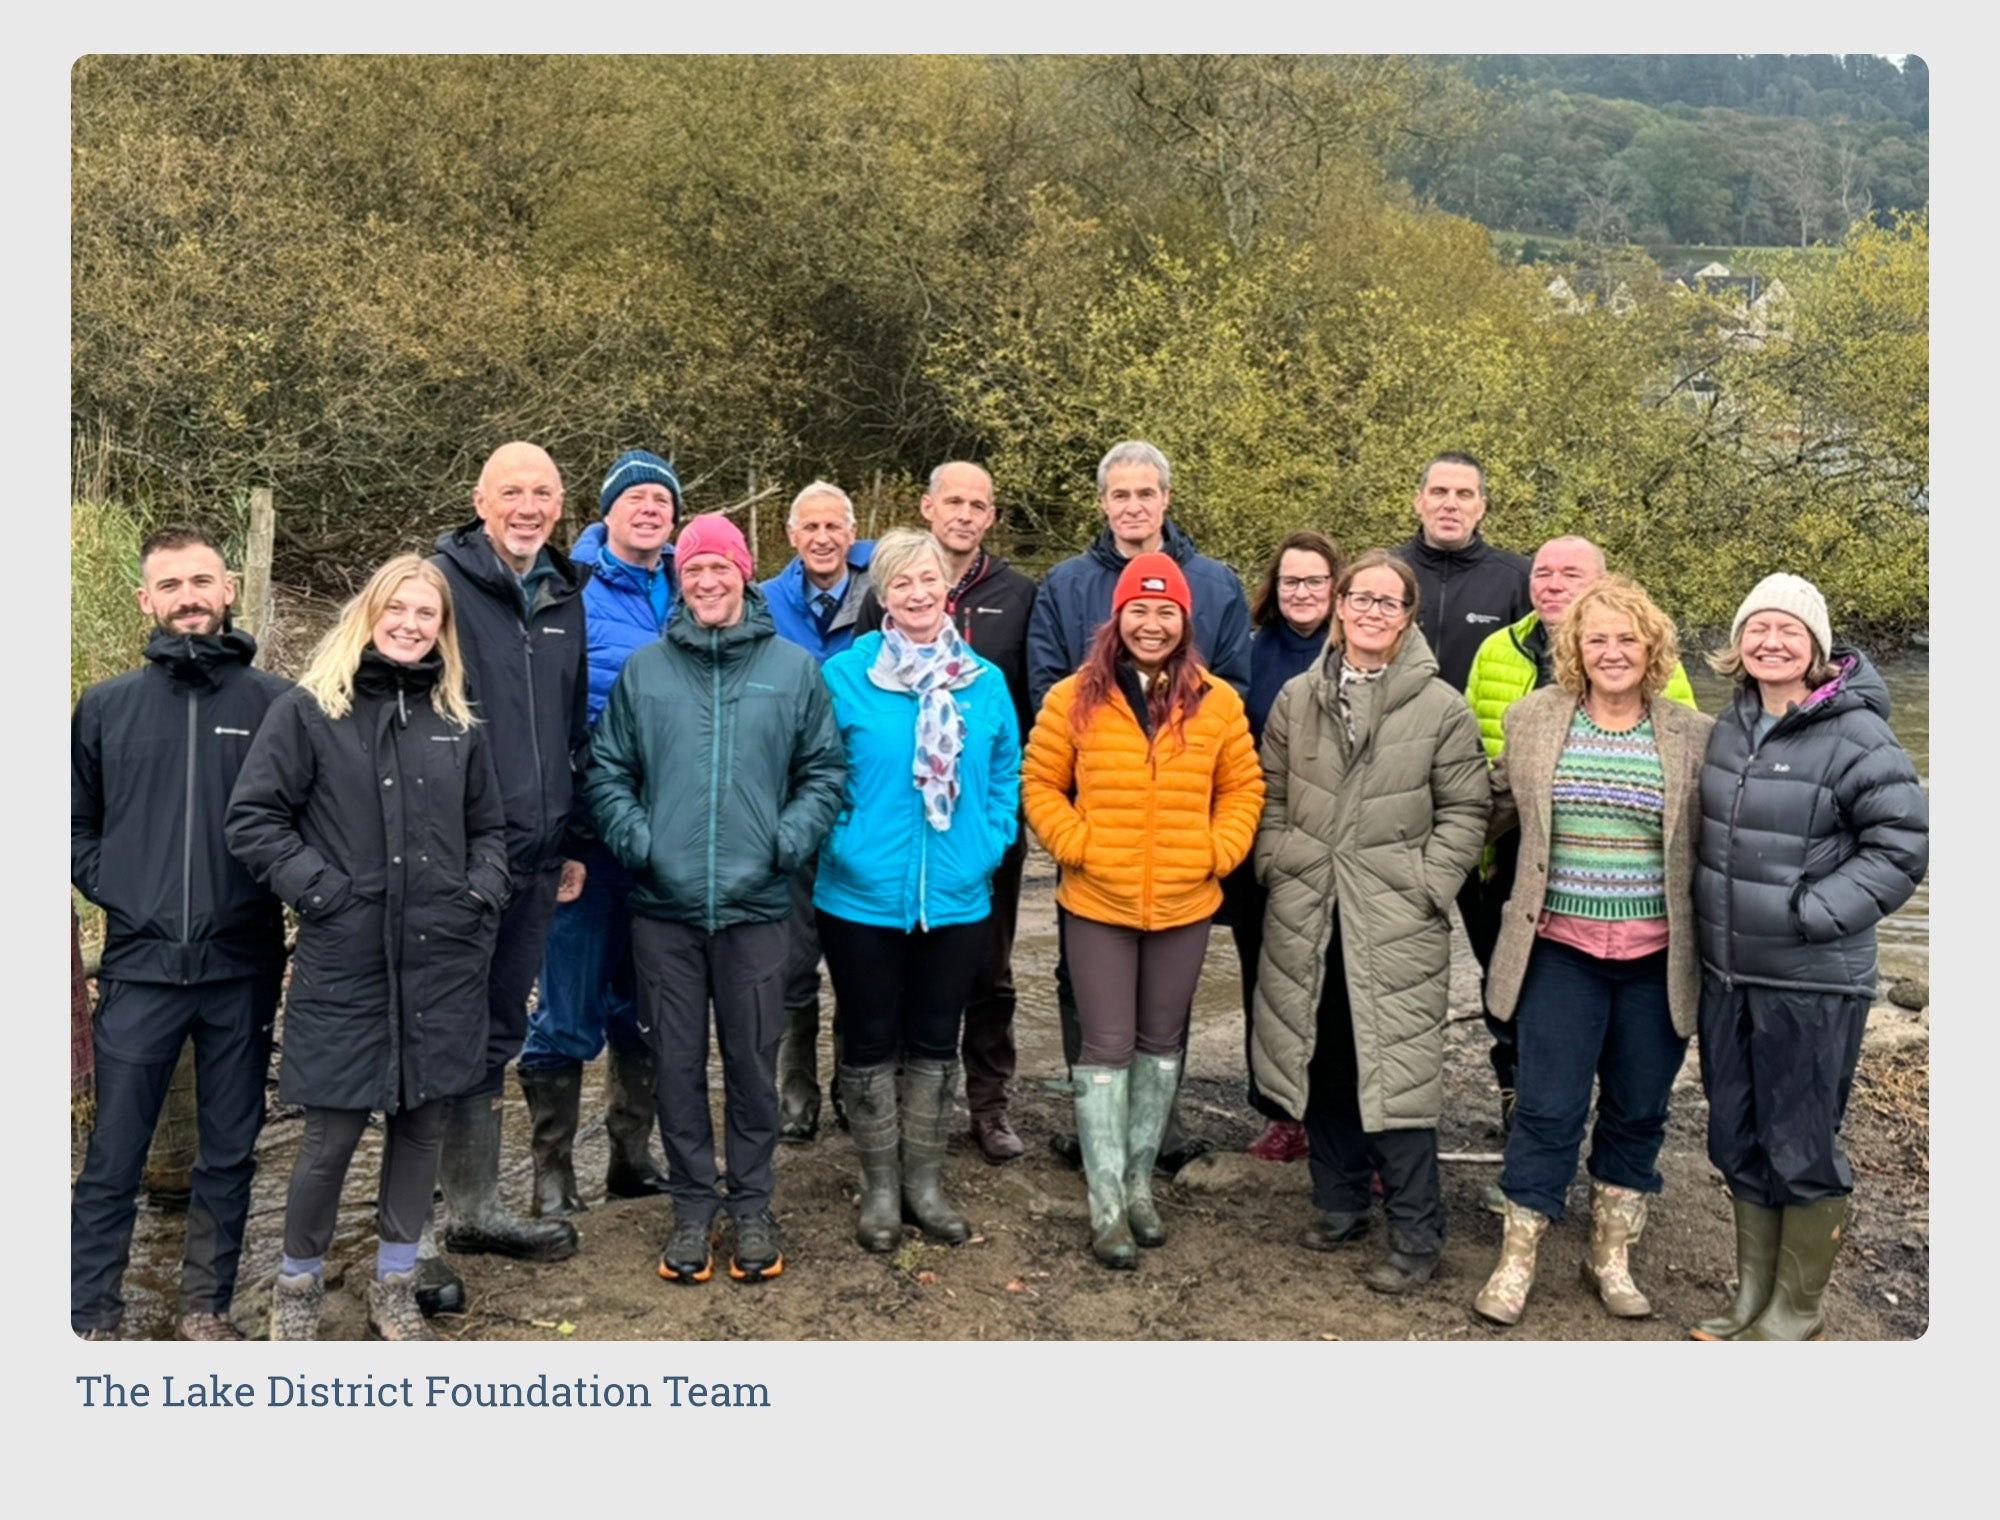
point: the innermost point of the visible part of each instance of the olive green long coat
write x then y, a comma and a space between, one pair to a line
1384, 830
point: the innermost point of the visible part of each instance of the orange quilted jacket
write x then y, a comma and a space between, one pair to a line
1143, 839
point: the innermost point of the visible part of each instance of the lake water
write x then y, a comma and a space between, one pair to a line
1907, 932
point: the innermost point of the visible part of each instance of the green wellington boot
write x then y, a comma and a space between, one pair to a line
1757, 1230
1150, 1099
1102, 1096
1807, 1245
929, 1117
869, 1095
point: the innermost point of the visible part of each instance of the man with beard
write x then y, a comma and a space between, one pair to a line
193, 947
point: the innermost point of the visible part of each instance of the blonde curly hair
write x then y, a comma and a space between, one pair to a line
1622, 595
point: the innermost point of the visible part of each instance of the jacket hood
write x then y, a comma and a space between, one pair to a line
193, 658
1856, 686
726, 644
1413, 669
472, 551
1174, 543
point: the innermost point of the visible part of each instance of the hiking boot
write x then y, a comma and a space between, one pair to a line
996, 1138
689, 1256
203, 1326
1331, 1230
440, 1290
295, 1306
756, 1257
100, 1333
1406, 1269
393, 1314
1282, 1140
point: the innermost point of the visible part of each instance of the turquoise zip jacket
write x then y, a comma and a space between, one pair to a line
716, 769
883, 864
1507, 668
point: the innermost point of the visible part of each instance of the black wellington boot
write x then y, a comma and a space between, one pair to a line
554, 1094
631, 1108
476, 1222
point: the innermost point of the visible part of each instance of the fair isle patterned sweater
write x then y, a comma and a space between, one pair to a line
1606, 857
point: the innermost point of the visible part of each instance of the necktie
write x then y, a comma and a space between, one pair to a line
823, 609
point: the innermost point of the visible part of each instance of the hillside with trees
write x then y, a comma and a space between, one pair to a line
348, 278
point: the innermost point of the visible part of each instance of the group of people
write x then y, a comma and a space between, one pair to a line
651, 785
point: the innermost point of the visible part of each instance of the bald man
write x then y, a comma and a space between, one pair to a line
519, 611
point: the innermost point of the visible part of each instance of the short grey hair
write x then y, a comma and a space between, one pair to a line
899, 549
1134, 451
819, 488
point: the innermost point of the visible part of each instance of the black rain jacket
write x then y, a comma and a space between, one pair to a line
384, 830
153, 756
529, 678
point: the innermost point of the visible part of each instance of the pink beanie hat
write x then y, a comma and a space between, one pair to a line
712, 533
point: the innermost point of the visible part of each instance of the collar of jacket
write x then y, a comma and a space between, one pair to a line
379, 676
473, 553
1174, 543
197, 659
723, 645
592, 551
1419, 549
1413, 669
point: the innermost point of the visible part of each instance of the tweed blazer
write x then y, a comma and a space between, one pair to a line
1536, 728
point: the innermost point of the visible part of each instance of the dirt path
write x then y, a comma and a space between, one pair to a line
1231, 1269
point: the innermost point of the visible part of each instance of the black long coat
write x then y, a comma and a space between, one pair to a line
384, 830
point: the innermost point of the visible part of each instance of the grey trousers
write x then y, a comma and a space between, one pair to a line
680, 970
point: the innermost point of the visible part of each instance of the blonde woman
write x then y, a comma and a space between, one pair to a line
369, 803
1596, 962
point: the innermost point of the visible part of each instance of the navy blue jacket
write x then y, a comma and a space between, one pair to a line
153, 756
1076, 598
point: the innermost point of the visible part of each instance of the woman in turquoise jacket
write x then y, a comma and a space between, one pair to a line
905, 878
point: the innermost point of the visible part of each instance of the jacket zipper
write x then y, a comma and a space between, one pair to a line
187, 828
714, 765
534, 725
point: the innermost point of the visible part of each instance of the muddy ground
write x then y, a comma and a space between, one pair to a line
1231, 1269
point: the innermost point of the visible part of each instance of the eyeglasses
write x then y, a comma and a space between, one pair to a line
1291, 585
1368, 601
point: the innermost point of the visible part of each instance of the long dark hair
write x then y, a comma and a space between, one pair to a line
1170, 700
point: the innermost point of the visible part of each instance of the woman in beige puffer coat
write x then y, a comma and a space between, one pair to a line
1376, 798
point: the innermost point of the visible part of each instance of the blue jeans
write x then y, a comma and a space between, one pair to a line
1580, 1017
587, 974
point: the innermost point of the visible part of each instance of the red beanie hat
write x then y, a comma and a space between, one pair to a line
712, 533
1152, 575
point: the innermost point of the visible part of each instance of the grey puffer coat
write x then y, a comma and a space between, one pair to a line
1808, 839
1384, 830
385, 830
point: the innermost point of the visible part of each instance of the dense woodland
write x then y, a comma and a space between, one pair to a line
348, 278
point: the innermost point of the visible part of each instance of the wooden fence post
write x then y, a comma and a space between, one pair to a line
253, 611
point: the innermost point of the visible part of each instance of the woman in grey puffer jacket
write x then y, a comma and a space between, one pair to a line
1814, 828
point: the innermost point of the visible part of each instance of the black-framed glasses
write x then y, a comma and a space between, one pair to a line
1368, 601
1290, 585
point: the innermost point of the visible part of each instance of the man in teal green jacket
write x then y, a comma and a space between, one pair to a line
716, 769
1508, 665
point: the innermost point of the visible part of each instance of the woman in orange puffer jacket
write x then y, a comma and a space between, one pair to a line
1142, 781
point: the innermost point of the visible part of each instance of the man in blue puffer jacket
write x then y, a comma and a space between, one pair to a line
586, 980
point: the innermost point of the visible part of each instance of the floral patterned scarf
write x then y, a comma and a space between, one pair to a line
932, 672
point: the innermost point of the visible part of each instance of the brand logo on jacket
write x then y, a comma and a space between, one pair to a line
1482, 617
241, 733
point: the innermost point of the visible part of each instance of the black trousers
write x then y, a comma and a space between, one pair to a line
901, 992
1481, 903
139, 1028
517, 960
1243, 910
1777, 1067
987, 1042
680, 970
1343, 1157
